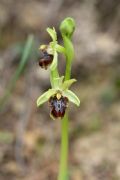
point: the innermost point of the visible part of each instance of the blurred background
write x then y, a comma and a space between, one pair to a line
29, 139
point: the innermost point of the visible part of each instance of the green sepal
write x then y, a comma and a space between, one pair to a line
55, 61
66, 84
52, 33
45, 97
72, 97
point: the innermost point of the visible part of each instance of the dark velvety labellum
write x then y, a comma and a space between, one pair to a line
46, 60
58, 106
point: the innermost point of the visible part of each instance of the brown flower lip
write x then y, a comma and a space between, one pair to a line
46, 60
58, 106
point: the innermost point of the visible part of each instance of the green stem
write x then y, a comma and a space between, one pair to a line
63, 169
69, 56
68, 70
53, 74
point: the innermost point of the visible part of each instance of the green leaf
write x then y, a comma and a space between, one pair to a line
67, 84
72, 97
45, 97
55, 61
52, 33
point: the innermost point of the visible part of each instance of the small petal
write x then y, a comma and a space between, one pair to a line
45, 97
71, 97
67, 84
55, 61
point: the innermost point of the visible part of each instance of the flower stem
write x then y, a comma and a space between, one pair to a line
68, 70
63, 169
53, 74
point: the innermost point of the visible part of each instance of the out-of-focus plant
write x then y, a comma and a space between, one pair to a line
24, 59
59, 95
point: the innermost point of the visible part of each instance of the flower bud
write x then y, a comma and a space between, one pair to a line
67, 27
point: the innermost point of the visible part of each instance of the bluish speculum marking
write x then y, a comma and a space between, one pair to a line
58, 106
